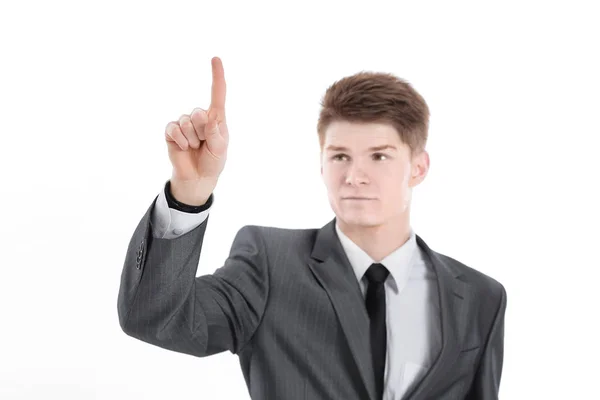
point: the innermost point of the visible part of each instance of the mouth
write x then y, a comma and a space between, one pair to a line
356, 198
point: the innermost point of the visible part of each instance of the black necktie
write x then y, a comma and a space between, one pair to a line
375, 302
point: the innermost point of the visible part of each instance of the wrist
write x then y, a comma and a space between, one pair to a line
191, 193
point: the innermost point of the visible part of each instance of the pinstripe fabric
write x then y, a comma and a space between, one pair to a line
287, 303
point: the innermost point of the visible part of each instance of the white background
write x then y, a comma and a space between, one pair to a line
87, 88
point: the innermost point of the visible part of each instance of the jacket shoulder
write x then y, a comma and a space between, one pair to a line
272, 232
275, 237
477, 279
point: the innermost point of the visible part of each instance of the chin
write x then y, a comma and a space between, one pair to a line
360, 219
356, 217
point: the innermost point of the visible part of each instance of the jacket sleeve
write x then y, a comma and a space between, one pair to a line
162, 302
486, 383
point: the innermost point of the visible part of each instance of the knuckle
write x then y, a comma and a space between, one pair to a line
170, 126
199, 118
184, 123
198, 111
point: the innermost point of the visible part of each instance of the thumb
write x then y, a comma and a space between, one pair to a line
215, 140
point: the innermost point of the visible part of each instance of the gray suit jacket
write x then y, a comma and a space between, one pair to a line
287, 303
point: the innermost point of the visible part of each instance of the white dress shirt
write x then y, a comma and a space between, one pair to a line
412, 319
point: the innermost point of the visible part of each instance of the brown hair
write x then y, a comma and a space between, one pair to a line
377, 97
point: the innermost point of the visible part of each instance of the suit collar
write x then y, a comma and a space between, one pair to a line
331, 267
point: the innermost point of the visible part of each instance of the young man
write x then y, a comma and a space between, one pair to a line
359, 309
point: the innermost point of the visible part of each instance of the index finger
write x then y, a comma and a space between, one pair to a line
217, 103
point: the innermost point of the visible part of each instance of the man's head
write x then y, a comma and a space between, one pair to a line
359, 114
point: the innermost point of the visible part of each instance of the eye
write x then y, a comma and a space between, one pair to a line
336, 157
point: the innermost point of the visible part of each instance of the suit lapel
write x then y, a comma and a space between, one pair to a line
455, 298
333, 270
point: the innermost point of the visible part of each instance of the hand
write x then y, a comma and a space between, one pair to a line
197, 143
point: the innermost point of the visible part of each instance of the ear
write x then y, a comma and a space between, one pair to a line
419, 168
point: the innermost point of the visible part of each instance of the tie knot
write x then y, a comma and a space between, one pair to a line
377, 273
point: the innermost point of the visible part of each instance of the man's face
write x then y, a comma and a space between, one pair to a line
382, 179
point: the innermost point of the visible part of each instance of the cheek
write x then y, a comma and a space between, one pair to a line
396, 192
331, 179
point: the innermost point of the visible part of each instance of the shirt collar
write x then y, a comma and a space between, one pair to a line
399, 262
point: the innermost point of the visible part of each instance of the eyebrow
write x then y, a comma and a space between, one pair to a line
375, 148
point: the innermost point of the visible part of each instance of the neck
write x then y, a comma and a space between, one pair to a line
379, 241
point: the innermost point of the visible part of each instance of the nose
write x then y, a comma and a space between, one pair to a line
355, 175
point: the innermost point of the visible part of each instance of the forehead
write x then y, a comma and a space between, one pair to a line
361, 135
